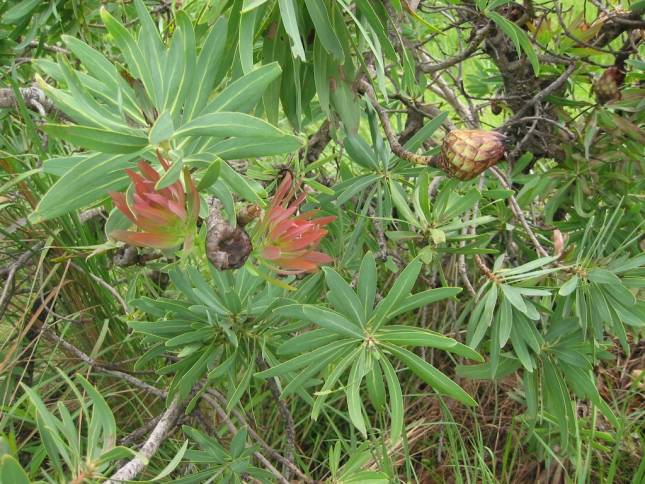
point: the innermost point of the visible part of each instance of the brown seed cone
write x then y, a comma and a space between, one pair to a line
465, 153
226, 247
607, 86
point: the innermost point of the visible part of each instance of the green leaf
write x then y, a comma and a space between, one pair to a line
324, 30
424, 298
240, 185
242, 385
396, 400
344, 298
236, 148
381, 31
520, 349
225, 124
603, 276
252, 4
519, 38
433, 377
19, 10
98, 139
316, 366
514, 296
425, 133
173, 463
244, 93
367, 279
171, 176
206, 69
210, 176
412, 336
400, 201
106, 74
505, 322
400, 289
11, 471
569, 286
84, 184
375, 387
133, 56
352, 391
162, 130
290, 22
307, 341
360, 152
332, 378
331, 320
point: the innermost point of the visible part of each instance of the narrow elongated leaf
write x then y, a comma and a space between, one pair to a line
324, 30
206, 68
102, 140
354, 404
244, 93
400, 289
235, 148
346, 300
85, 183
514, 297
240, 184
332, 321
225, 124
519, 38
396, 400
424, 298
133, 55
12, 471
367, 280
162, 130
433, 377
290, 22
412, 336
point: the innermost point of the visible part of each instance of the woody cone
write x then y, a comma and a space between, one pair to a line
466, 153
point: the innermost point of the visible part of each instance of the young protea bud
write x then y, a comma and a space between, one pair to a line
607, 86
166, 217
466, 153
287, 241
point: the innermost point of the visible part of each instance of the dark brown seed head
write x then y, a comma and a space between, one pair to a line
607, 86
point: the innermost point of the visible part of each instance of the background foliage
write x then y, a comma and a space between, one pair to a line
486, 330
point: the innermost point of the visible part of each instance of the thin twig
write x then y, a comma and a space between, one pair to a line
70, 348
163, 394
289, 426
550, 89
105, 285
517, 211
161, 431
255, 436
11, 273
233, 429
463, 55
364, 87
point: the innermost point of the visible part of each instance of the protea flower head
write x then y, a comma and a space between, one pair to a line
607, 86
286, 242
466, 153
166, 217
